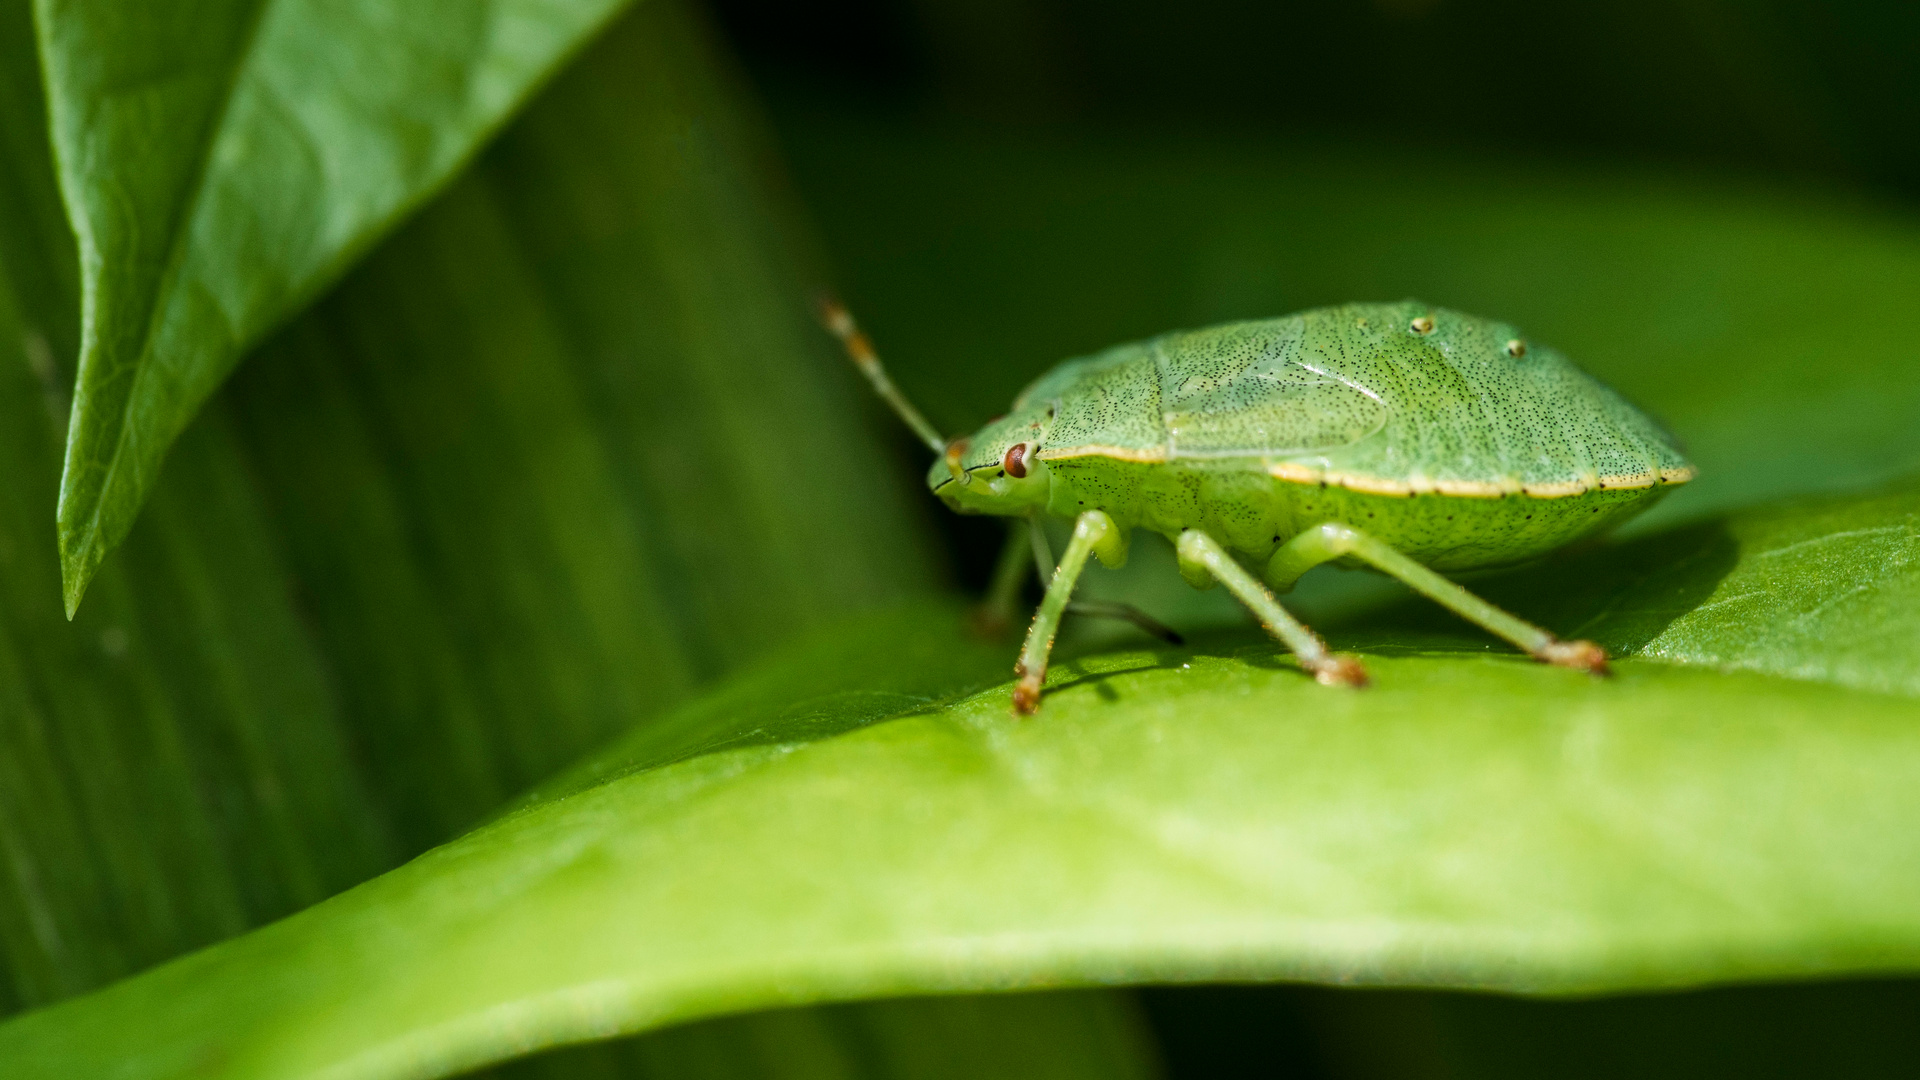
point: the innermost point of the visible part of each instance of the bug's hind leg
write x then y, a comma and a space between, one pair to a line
1093, 533
1324, 543
1201, 558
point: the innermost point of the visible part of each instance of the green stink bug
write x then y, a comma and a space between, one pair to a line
1408, 439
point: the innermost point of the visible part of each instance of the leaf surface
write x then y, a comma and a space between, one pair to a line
1472, 820
221, 162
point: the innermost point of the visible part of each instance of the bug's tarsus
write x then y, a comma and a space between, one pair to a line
1026, 696
1578, 655
1338, 669
839, 322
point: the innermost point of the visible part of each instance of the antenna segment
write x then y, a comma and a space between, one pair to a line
840, 323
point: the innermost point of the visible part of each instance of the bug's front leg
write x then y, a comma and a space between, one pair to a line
1094, 533
1333, 540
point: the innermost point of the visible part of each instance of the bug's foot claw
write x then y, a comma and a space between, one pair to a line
1026, 697
1337, 670
1578, 655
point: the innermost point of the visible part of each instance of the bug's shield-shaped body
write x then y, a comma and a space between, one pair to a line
1440, 434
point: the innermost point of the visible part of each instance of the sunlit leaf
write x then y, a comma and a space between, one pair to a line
1473, 819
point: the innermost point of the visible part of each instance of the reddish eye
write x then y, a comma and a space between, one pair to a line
1016, 461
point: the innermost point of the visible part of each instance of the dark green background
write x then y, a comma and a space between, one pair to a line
533, 470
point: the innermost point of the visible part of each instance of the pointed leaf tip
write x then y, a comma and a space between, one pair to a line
207, 205
77, 567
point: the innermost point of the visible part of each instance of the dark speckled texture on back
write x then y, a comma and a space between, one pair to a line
1441, 434
1358, 392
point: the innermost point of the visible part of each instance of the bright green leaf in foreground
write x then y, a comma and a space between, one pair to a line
1473, 819
222, 161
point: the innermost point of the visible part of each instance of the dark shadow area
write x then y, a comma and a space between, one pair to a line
1861, 1029
1791, 86
1076, 672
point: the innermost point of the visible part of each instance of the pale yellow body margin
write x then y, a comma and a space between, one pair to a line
1413, 485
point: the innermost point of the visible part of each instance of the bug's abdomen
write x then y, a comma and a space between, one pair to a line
1452, 533
1252, 513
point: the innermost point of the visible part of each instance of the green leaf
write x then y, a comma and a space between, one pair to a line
221, 162
1472, 820
193, 755
569, 443
438, 542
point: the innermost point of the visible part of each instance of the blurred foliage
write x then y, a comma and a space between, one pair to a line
524, 479
1800, 87
565, 449
1861, 1030
569, 444
1073, 1035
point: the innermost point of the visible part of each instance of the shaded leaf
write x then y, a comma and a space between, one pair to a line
1059, 1036
172, 764
376, 594
1473, 819
569, 444
188, 758
1860, 1029
221, 162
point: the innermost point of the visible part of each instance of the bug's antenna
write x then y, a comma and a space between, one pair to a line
840, 323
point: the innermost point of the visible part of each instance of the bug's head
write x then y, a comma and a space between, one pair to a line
996, 470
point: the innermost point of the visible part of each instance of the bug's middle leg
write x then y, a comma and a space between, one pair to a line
1324, 543
1202, 559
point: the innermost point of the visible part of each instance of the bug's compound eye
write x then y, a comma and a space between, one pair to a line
1516, 348
1016, 460
1421, 325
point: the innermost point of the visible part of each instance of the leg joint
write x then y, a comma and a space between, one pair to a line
1337, 538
